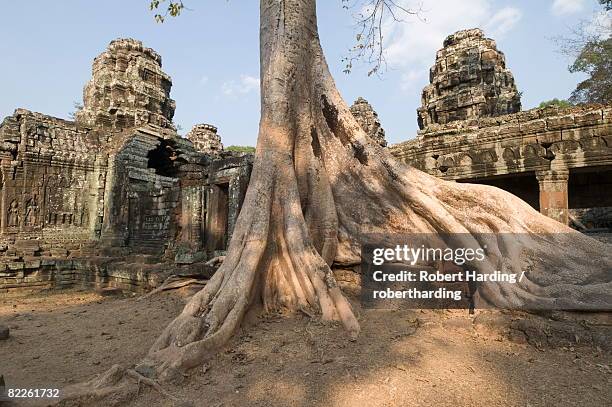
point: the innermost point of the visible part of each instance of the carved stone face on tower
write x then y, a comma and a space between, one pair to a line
205, 139
368, 120
127, 89
468, 81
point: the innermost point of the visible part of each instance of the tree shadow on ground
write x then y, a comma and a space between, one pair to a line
402, 358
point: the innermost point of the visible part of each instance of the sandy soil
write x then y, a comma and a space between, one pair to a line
402, 358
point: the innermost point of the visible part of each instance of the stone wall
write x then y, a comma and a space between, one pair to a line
49, 177
141, 190
80, 215
551, 146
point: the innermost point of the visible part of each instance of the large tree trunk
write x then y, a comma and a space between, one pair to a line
319, 187
286, 235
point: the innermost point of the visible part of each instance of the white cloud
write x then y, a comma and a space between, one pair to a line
411, 46
503, 21
410, 78
244, 85
203, 80
562, 7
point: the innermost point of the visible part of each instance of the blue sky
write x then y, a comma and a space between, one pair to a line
212, 54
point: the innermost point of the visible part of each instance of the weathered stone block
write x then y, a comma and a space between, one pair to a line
588, 118
549, 137
15, 266
58, 252
603, 131
189, 257
489, 132
22, 244
32, 264
508, 130
534, 126
61, 265
577, 133
558, 123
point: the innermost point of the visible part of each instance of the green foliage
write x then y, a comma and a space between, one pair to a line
78, 106
595, 59
241, 149
173, 9
556, 103
607, 4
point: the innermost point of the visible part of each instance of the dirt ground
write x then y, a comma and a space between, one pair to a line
402, 358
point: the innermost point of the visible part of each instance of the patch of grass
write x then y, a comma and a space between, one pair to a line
241, 149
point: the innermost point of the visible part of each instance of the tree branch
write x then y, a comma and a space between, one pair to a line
369, 46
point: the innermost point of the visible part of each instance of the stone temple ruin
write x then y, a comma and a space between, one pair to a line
472, 130
205, 139
368, 120
113, 197
468, 80
98, 198
127, 89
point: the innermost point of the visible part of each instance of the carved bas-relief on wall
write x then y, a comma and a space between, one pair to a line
13, 214
44, 188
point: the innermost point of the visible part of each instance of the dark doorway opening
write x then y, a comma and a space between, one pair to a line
524, 185
590, 197
217, 217
163, 159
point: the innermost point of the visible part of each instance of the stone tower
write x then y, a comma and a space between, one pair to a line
368, 120
205, 139
127, 89
469, 80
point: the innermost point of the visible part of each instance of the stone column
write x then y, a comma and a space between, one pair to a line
553, 194
237, 190
233, 205
98, 186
